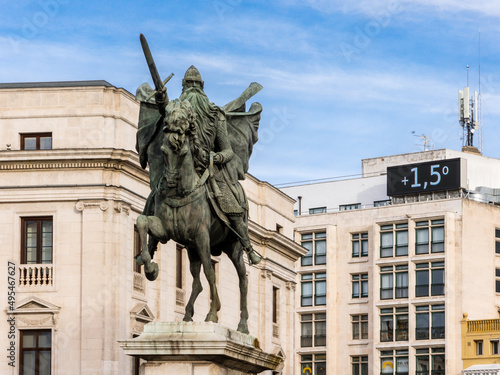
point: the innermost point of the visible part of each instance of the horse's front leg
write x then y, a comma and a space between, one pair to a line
236, 256
153, 226
202, 245
194, 267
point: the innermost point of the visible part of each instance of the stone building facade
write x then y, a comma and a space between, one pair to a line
390, 272
70, 192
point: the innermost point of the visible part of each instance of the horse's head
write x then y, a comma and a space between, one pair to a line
179, 125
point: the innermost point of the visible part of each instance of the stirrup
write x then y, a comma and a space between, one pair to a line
253, 257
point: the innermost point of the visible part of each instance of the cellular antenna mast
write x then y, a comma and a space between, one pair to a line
480, 103
468, 117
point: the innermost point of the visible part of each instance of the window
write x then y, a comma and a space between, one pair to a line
394, 317
36, 141
316, 244
276, 292
430, 317
35, 352
137, 250
497, 241
429, 234
359, 327
394, 362
179, 266
314, 364
36, 242
317, 210
387, 290
394, 240
359, 365
359, 245
349, 207
436, 271
359, 285
313, 324
479, 347
494, 347
497, 280
313, 282
430, 364
383, 203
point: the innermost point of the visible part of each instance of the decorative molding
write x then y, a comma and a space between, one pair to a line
81, 205
34, 311
36, 320
121, 207
266, 274
290, 285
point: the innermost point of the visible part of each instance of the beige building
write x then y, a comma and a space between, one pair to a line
70, 192
396, 257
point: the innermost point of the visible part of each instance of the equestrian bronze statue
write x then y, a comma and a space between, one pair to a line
197, 152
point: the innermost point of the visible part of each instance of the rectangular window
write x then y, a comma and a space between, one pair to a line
359, 365
349, 207
394, 285
359, 327
313, 330
394, 362
497, 280
359, 285
430, 318
479, 347
391, 318
497, 241
314, 364
317, 210
429, 234
36, 348
494, 347
316, 244
430, 364
137, 250
316, 282
359, 245
36, 241
275, 304
179, 266
394, 240
383, 203
36, 141
436, 271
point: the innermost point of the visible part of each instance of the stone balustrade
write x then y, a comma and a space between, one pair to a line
36, 275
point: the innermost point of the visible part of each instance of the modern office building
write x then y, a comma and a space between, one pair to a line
71, 188
396, 257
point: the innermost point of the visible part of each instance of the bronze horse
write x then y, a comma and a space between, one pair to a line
182, 213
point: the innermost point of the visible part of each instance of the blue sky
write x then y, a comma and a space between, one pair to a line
343, 80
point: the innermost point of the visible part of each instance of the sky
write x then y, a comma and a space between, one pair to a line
342, 80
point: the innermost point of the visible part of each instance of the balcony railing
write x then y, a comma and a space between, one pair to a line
484, 325
35, 275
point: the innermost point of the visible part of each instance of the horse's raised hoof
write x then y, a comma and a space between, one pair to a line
243, 328
152, 274
212, 318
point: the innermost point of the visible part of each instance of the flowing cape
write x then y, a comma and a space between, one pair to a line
242, 128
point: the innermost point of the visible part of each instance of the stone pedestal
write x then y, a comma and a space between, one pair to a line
198, 349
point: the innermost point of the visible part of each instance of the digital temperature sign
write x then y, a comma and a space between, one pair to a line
449, 174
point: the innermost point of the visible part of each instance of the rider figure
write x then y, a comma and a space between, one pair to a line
216, 150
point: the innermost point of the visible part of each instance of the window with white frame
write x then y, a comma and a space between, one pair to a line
429, 234
394, 282
393, 240
313, 364
313, 330
430, 323
313, 289
359, 285
316, 244
430, 361
394, 362
394, 324
429, 275
359, 327
359, 244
